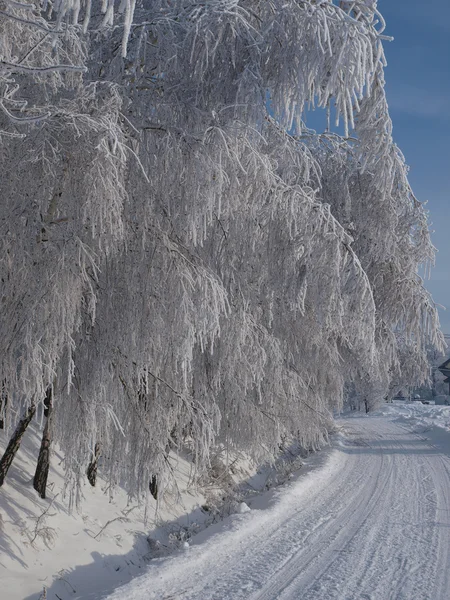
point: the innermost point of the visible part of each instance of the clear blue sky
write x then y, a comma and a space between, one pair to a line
418, 92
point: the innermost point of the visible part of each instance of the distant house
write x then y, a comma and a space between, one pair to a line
445, 370
442, 400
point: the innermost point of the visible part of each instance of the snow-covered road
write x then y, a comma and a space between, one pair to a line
371, 523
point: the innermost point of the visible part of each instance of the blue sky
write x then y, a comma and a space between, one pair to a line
418, 92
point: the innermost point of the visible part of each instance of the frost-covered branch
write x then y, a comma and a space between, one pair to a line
181, 257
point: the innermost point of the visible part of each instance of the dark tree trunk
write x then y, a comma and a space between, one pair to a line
153, 487
92, 468
14, 442
3, 404
43, 463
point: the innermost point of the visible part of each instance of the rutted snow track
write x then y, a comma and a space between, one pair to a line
373, 523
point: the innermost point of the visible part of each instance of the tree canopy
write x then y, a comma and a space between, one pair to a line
182, 260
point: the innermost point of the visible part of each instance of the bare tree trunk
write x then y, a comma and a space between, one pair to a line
92, 468
14, 442
43, 463
3, 404
153, 487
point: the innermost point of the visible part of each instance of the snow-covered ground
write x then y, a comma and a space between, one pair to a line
88, 553
371, 521
366, 519
431, 422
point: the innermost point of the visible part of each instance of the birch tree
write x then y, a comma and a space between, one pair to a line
182, 258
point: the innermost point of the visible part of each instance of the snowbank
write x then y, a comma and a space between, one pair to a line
88, 553
429, 421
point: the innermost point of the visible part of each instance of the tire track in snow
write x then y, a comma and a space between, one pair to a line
374, 525
303, 534
394, 534
320, 558
440, 471
398, 533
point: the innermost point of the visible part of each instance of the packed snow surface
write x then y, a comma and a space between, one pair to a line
371, 521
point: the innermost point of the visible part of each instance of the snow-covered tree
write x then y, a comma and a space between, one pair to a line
183, 260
